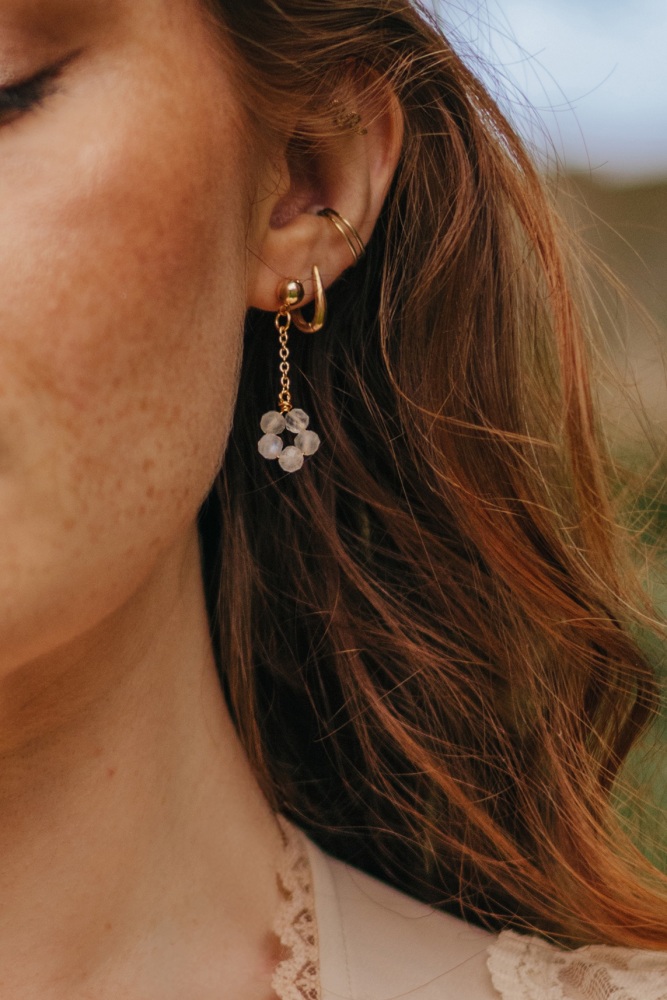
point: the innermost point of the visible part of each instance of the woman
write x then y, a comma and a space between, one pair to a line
419, 645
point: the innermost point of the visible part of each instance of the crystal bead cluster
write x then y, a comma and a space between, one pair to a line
291, 457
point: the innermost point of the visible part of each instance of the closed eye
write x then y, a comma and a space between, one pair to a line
19, 98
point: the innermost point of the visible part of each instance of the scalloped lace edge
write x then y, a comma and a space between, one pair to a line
297, 974
524, 967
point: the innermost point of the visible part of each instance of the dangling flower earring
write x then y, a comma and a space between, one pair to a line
274, 423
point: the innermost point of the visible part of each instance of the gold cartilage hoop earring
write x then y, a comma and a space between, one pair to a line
347, 231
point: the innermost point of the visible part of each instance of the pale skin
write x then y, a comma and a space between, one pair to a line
137, 853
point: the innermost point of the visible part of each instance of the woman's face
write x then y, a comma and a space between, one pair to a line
125, 200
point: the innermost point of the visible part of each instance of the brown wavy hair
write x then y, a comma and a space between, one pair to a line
427, 636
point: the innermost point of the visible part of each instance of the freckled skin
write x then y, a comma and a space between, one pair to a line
123, 214
138, 853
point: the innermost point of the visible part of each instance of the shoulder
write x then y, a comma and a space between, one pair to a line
377, 943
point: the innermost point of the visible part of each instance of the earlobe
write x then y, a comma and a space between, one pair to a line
350, 173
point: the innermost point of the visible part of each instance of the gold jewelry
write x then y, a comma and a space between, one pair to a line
347, 231
320, 315
346, 120
274, 423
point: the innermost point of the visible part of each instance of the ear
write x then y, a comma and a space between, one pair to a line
350, 173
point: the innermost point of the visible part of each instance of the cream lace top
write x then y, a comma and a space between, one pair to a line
347, 936
526, 968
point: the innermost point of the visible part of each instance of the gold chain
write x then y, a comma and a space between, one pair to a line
283, 324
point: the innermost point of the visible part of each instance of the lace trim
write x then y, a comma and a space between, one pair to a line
524, 967
297, 975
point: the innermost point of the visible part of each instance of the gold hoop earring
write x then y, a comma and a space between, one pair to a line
320, 315
276, 422
347, 231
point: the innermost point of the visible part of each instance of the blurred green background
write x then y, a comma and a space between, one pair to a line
584, 82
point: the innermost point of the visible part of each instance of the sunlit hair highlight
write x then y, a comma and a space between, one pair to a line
427, 636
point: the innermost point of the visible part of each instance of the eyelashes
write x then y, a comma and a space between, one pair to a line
20, 98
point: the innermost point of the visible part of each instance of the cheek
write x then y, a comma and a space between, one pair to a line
119, 327
120, 331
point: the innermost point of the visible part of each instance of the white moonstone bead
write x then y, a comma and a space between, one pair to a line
291, 459
273, 422
270, 446
297, 421
308, 442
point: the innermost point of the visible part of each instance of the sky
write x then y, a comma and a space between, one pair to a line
595, 71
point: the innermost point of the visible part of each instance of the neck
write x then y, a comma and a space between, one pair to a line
128, 812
